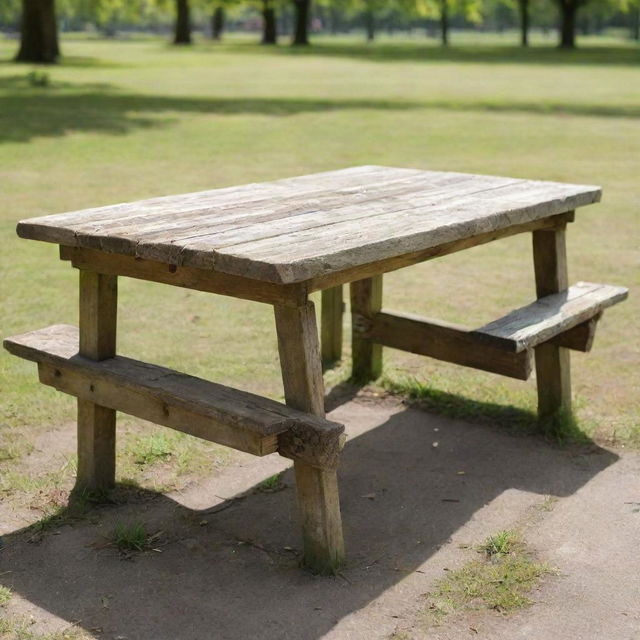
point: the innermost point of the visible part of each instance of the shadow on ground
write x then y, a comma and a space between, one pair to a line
238, 575
26, 113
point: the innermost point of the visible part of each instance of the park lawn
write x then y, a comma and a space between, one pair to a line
122, 120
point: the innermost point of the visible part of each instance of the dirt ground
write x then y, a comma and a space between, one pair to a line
417, 490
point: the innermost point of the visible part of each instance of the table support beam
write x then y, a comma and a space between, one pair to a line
331, 325
97, 424
366, 302
553, 371
317, 489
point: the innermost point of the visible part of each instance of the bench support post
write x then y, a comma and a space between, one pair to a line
317, 489
366, 301
553, 372
331, 325
97, 424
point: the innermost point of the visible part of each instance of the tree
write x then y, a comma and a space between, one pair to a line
442, 10
183, 23
523, 8
301, 22
269, 25
217, 22
369, 20
568, 12
38, 32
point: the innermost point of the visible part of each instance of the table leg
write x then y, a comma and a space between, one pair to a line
97, 424
366, 300
553, 373
317, 489
331, 325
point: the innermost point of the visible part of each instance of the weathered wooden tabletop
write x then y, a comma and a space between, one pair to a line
301, 228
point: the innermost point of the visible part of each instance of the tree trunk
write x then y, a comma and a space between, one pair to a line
524, 22
217, 23
568, 11
269, 29
444, 22
333, 14
635, 22
183, 23
39, 32
370, 24
301, 29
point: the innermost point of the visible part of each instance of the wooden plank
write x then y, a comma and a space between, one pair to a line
317, 489
62, 228
187, 277
411, 227
580, 338
331, 325
179, 237
447, 342
283, 234
195, 243
398, 262
553, 364
366, 302
97, 423
90, 387
192, 405
550, 316
300, 358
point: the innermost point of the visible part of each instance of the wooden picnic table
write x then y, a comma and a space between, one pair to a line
277, 243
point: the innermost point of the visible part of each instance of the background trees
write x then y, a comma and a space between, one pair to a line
39, 20
39, 32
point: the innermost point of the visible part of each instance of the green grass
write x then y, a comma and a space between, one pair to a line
500, 543
5, 595
118, 121
501, 581
130, 537
562, 427
271, 484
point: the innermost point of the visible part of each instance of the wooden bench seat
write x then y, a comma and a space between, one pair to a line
192, 405
550, 316
504, 346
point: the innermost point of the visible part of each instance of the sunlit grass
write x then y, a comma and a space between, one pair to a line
130, 119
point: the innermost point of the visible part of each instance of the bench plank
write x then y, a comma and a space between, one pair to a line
447, 342
195, 406
550, 316
309, 227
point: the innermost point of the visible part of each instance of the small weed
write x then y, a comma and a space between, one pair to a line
500, 581
500, 544
272, 484
5, 595
150, 449
38, 79
130, 537
548, 503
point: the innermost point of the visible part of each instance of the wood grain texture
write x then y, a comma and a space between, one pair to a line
187, 277
98, 311
550, 316
366, 353
581, 337
447, 342
553, 362
312, 226
316, 488
378, 267
192, 405
331, 325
